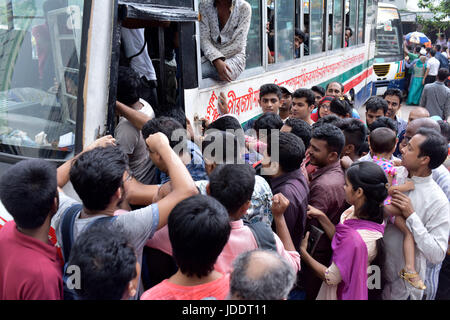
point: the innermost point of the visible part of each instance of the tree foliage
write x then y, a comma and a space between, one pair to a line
441, 13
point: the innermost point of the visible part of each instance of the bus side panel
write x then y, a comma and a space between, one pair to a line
243, 95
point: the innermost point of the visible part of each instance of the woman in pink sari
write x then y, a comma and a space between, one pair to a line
354, 239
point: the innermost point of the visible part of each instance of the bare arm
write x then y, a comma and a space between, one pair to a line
139, 193
182, 184
63, 172
137, 118
326, 224
318, 268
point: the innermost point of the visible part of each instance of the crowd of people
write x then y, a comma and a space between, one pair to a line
299, 203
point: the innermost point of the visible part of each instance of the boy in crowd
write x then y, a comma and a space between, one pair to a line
376, 107
393, 98
186, 149
286, 104
269, 99
101, 179
326, 193
287, 178
30, 267
355, 133
302, 105
128, 137
319, 93
199, 228
105, 276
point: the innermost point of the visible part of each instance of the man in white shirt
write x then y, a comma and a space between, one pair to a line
427, 213
434, 64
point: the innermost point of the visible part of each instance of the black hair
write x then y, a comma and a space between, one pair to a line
384, 122
97, 174
371, 178
221, 147
417, 49
375, 103
301, 129
225, 123
270, 88
382, 140
291, 150
435, 146
438, 47
107, 262
305, 93
166, 125
268, 121
355, 132
340, 107
445, 129
284, 90
350, 29
172, 111
329, 119
299, 33
393, 92
28, 190
199, 228
432, 52
319, 90
443, 74
332, 135
232, 185
128, 86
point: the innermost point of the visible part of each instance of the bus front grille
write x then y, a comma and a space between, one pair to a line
381, 70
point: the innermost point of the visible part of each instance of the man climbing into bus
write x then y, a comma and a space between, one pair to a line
224, 26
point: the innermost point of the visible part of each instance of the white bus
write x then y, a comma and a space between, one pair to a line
59, 62
389, 67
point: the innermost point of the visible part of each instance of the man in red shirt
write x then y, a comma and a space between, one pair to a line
30, 267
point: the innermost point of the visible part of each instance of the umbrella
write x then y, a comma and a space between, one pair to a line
418, 38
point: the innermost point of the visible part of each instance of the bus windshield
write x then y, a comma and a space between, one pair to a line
39, 69
388, 33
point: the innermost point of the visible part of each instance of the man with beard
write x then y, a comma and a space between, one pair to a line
326, 194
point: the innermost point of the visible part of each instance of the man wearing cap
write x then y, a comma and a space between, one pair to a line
286, 103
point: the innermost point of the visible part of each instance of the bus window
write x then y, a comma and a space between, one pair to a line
388, 33
337, 24
316, 35
329, 27
39, 77
284, 30
361, 21
254, 43
306, 30
350, 23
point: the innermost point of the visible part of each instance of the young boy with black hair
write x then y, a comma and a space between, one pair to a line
30, 267
199, 228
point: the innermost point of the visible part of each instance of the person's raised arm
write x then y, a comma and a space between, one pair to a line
279, 205
182, 184
327, 225
62, 174
137, 118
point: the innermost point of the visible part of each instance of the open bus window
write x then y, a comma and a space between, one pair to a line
361, 22
223, 38
316, 21
284, 30
388, 37
39, 63
254, 38
350, 23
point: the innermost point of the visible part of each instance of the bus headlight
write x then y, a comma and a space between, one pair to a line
400, 75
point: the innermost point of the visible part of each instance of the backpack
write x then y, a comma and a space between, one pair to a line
263, 235
67, 223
